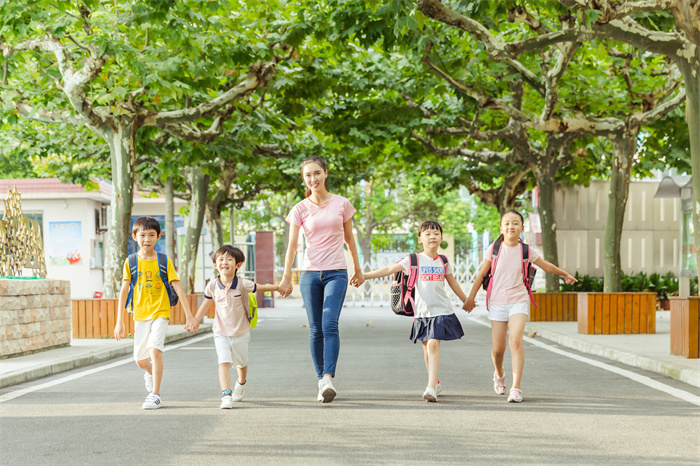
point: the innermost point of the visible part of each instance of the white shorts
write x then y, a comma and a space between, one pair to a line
502, 312
149, 334
232, 350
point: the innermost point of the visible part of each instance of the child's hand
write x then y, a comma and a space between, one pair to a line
569, 279
285, 287
119, 331
191, 325
469, 305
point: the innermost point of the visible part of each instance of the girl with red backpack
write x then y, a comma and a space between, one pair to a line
508, 295
434, 317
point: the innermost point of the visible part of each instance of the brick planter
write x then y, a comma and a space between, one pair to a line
685, 326
554, 307
35, 315
616, 313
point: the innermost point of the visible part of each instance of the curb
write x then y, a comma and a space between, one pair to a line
94, 357
643, 362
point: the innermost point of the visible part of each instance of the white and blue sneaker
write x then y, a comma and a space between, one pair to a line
152, 401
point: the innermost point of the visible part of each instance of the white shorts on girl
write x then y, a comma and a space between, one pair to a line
149, 334
503, 312
232, 350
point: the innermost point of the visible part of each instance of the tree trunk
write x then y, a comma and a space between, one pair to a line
691, 79
620, 173
170, 219
545, 177
121, 142
232, 234
216, 229
199, 184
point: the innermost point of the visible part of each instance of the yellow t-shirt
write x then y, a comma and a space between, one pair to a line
150, 298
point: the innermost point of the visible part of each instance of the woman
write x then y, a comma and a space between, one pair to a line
327, 222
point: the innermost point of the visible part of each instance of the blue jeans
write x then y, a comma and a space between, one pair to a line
323, 292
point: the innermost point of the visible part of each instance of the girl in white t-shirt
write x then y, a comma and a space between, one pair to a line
327, 222
434, 318
509, 301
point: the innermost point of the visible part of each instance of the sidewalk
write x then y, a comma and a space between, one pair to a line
648, 352
80, 353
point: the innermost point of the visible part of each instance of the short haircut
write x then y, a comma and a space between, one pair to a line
429, 225
234, 252
145, 224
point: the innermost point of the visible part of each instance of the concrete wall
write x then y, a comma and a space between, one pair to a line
34, 315
651, 229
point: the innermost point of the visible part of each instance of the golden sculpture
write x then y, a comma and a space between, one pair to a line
20, 240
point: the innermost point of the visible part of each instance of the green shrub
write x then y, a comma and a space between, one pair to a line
663, 285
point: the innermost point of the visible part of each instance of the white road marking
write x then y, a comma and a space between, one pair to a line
24, 391
642, 379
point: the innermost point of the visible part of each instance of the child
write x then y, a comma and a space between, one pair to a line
509, 303
151, 307
434, 319
231, 323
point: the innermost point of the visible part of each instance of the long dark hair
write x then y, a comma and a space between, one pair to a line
511, 211
319, 161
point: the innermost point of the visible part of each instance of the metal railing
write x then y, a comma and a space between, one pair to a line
376, 292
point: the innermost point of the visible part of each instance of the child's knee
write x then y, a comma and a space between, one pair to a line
515, 342
143, 364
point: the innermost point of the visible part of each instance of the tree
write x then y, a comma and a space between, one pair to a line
558, 114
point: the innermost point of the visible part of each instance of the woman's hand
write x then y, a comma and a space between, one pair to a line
357, 279
285, 287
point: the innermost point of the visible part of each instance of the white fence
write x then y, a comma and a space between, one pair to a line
376, 292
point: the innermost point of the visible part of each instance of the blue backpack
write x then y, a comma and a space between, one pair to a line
162, 267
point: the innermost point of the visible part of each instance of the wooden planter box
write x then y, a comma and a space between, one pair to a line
95, 318
554, 307
685, 327
616, 313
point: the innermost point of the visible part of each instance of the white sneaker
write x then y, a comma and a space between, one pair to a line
516, 396
238, 392
152, 401
148, 380
320, 390
429, 394
499, 383
438, 389
326, 389
226, 402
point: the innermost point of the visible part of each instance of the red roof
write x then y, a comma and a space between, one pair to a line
50, 185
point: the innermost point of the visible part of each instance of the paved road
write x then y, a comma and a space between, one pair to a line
573, 412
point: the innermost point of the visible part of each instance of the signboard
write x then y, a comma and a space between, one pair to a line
65, 243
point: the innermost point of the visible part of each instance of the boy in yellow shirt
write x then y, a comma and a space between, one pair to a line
150, 306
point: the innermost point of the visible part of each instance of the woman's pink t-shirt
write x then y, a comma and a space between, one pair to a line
323, 228
508, 286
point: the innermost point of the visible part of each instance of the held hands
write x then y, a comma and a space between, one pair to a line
285, 287
192, 325
357, 279
469, 305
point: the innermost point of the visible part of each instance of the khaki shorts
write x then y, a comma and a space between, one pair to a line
232, 350
149, 334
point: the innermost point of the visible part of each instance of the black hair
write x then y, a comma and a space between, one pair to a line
145, 224
429, 225
511, 211
320, 162
232, 251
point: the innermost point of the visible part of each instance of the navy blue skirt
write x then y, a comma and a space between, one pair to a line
436, 328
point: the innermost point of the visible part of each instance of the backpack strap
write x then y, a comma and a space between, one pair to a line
133, 272
412, 279
444, 260
495, 251
525, 249
244, 298
163, 267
